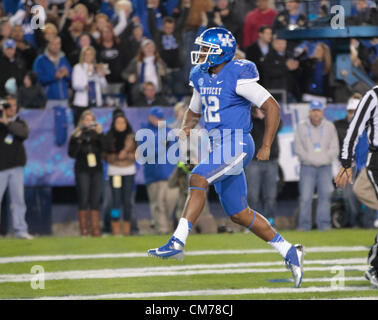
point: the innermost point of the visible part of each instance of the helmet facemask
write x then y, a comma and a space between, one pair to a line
206, 54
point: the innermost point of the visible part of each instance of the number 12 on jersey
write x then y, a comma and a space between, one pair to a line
211, 112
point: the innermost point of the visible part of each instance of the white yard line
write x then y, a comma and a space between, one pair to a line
186, 270
32, 258
219, 292
355, 298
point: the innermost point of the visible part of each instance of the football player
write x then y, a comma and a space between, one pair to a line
223, 93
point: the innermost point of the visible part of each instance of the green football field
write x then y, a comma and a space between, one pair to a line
216, 266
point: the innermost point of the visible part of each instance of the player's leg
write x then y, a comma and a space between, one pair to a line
372, 273
193, 207
210, 170
232, 193
197, 198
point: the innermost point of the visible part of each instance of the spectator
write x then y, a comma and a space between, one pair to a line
290, 18
360, 13
107, 8
258, 50
84, 41
368, 53
32, 33
49, 31
88, 79
242, 7
112, 52
262, 176
23, 48
8, 7
352, 204
146, 66
101, 22
11, 66
195, 14
261, 16
141, 10
194, 22
162, 199
123, 10
121, 147
316, 70
72, 30
92, 5
71, 11
31, 94
229, 18
46, 16
169, 44
86, 146
132, 37
149, 98
54, 73
13, 132
279, 71
209, 20
5, 28
317, 146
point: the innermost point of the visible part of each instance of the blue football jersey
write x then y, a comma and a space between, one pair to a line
222, 107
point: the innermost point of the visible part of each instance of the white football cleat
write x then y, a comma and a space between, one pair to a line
372, 276
294, 262
174, 249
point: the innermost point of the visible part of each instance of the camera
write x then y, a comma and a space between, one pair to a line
91, 126
88, 134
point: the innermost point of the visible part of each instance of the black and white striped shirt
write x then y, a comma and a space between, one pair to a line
366, 117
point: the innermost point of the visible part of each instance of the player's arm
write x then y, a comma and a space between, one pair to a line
193, 114
261, 98
271, 110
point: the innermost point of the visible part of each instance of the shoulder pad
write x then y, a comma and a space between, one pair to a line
248, 69
194, 74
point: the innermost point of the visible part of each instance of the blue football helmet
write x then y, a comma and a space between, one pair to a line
217, 45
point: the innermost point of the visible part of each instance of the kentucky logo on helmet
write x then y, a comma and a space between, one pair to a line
225, 39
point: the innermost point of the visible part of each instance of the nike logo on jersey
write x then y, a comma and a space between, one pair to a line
218, 82
242, 143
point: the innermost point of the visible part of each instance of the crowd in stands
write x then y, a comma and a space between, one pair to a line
135, 42
88, 50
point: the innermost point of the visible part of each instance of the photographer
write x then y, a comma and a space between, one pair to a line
86, 146
13, 132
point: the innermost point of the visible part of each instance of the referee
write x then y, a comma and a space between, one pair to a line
366, 117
